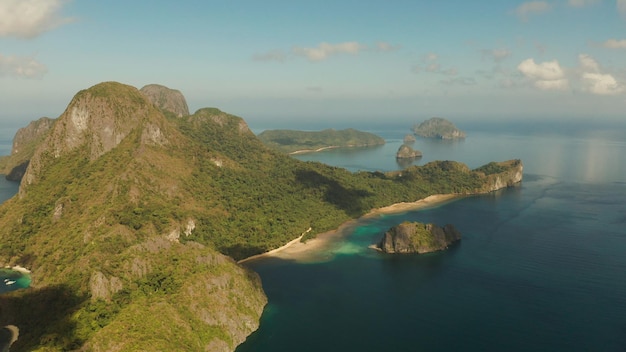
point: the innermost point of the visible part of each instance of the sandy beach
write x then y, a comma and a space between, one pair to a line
297, 250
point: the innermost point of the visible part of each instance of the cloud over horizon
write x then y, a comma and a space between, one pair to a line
547, 75
21, 67
325, 50
26, 19
595, 81
582, 3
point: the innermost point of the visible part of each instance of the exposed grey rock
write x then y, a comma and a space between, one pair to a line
167, 99
406, 152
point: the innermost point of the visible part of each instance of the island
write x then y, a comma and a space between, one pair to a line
406, 152
409, 138
293, 141
417, 237
438, 127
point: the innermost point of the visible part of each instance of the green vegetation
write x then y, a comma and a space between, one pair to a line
438, 127
140, 230
289, 141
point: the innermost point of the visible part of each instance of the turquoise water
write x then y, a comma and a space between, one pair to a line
541, 267
11, 280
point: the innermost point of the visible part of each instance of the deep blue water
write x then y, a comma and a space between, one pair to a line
541, 267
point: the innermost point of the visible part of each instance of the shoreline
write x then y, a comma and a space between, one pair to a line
295, 249
304, 151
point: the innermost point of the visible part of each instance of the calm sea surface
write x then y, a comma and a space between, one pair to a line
541, 267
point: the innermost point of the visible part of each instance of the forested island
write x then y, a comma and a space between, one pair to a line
292, 141
128, 210
438, 127
417, 237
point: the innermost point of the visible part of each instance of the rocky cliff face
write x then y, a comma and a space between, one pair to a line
512, 173
415, 237
99, 204
166, 99
25, 141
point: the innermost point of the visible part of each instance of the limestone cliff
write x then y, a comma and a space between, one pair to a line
25, 142
416, 237
501, 175
101, 221
167, 99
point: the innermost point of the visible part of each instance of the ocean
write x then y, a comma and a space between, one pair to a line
541, 266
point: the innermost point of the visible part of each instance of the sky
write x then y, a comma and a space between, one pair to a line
330, 60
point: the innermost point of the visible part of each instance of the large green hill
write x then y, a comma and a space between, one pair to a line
129, 219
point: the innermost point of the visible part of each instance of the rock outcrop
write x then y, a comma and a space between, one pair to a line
167, 99
438, 127
25, 142
416, 237
406, 152
409, 138
501, 175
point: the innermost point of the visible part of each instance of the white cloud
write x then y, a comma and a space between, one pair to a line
588, 63
526, 9
21, 67
324, 50
594, 80
546, 75
615, 44
621, 7
29, 18
601, 84
582, 3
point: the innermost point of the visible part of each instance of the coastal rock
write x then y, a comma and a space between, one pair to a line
501, 175
406, 152
416, 237
167, 99
438, 127
409, 138
25, 142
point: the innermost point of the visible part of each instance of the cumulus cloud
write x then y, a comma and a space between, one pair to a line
621, 8
546, 75
594, 80
588, 63
325, 50
601, 84
615, 44
21, 67
29, 18
526, 9
582, 3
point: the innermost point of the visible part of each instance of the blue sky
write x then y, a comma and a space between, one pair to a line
331, 60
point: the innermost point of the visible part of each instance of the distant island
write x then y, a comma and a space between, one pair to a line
406, 152
438, 127
293, 141
416, 237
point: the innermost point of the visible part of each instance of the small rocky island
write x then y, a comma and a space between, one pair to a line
409, 138
438, 127
406, 152
416, 237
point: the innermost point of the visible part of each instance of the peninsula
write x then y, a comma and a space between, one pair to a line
292, 141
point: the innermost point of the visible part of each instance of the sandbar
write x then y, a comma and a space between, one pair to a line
298, 250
